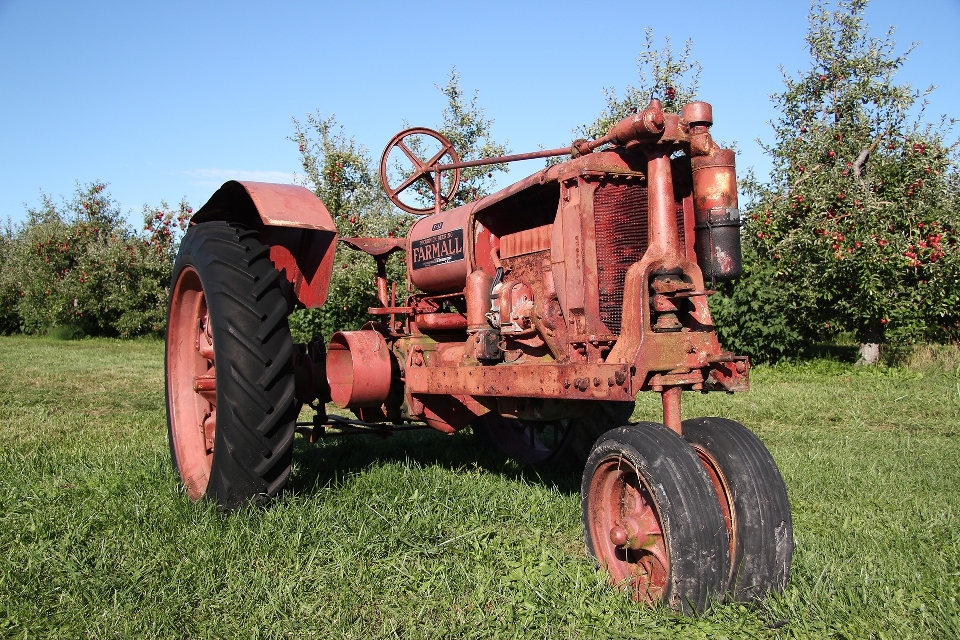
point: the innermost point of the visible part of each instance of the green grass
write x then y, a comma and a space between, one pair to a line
419, 535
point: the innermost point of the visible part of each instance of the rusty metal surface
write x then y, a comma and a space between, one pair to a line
292, 221
438, 251
359, 369
526, 241
697, 113
425, 170
717, 214
625, 527
191, 383
445, 413
305, 258
646, 125
621, 233
278, 205
533, 155
670, 398
663, 232
376, 247
477, 298
599, 291
568, 382
430, 322
730, 376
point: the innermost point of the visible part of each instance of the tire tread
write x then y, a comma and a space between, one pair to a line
764, 539
256, 405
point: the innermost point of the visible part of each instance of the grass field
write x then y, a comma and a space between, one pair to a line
418, 535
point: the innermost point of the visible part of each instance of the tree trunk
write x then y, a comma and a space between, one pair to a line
869, 347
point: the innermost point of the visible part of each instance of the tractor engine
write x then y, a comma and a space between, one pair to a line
583, 282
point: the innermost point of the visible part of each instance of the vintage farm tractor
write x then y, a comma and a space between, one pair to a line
535, 314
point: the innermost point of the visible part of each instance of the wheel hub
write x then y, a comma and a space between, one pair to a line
636, 555
192, 382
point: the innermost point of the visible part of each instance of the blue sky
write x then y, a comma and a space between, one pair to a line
165, 100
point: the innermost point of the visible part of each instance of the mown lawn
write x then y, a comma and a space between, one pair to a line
419, 535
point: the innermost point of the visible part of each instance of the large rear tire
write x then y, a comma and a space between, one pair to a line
229, 377
652, 520
753, 499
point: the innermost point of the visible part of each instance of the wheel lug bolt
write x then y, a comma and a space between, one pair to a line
618, 536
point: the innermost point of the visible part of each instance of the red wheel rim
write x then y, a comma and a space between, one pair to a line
723, 496
625, 528
191, 383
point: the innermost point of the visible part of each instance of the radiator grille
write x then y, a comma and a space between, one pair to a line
620, 223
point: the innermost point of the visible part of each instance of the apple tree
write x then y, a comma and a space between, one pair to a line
673, 77
858, 226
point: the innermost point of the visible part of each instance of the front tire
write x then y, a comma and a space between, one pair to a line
651, 519
753, 499
229, 376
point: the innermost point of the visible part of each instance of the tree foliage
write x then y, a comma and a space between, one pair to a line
344, 176
858, 222
346, 179
467, 127
672, 77
79, 265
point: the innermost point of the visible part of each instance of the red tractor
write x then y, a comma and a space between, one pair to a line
535, 314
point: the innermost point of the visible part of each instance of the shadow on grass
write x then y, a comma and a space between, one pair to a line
332, 459
837, 352
328, 462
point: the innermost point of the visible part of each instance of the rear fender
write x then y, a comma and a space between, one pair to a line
292, 221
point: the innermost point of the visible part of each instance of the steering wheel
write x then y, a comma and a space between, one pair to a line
423, 169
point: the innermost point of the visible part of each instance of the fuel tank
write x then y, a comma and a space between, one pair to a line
438, 251
717, 216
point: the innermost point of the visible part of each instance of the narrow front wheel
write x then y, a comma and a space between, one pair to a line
753, 498
651, 519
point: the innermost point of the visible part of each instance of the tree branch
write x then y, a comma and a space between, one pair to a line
864, 156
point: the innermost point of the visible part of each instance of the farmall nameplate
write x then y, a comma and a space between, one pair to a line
436, 250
